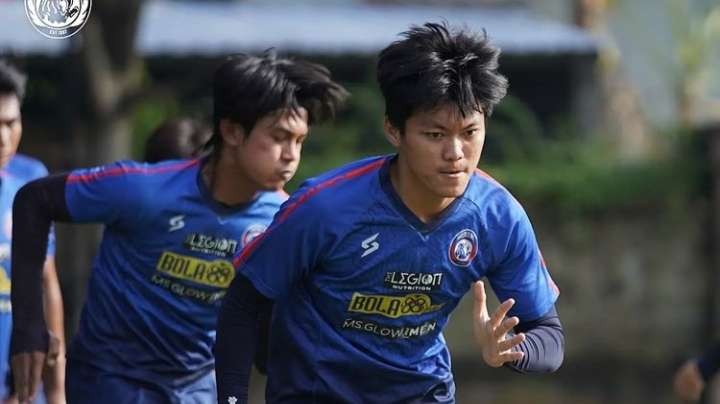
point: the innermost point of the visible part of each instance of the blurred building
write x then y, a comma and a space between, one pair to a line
550, 63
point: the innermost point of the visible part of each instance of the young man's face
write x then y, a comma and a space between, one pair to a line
10, 127
441, 149
270, 153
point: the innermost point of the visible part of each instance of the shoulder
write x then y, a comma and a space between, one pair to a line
345, 181
340, 187
128, 169
26, 167
273, 199
348, 172
492, 199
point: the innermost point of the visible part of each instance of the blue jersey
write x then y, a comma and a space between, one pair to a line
19, 170
364, 288
164, 263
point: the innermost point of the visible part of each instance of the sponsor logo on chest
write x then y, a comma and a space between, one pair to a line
413, 281
388, 331
217, 273
392, 306
222, 247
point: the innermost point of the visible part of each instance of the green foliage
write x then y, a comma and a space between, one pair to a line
554, 168
356, 133
582, 177
149, 114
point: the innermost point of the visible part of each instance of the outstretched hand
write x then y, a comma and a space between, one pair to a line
491, 332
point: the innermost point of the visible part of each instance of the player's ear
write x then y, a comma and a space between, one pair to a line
232, 133
392, 134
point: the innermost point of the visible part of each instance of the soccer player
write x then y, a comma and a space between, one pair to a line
15, 171
176, 138
171, 230
366, 263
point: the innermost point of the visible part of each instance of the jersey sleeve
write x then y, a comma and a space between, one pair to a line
520, 271
287, 251
105, 194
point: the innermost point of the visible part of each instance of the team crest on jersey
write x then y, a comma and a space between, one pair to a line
57, 19
251, 232
464, 248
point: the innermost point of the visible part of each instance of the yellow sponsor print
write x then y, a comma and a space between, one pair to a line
4, 281
217, 273
392, 306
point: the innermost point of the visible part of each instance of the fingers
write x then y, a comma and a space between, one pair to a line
504, 327
510, 356
508, 344
27, 372
38, 363
501, 312
480, 307
21, 375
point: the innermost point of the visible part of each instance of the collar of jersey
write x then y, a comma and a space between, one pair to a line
218, 207
404, 211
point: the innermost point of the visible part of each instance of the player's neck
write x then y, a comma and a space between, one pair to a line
425, 205
227, 182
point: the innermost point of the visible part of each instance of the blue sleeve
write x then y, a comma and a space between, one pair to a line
39, 171
105, 194
520, 272
288, 249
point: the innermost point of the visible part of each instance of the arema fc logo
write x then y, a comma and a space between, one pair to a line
57, 19
464, 248
251, 232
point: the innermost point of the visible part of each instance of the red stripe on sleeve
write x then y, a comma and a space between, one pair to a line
117, 171
303, 199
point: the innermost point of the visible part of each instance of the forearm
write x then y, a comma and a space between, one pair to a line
36, 205
237, 339
544, 345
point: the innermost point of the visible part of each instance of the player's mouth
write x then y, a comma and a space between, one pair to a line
452, 174
286, 174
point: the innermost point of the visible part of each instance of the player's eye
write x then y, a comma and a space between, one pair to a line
471, 132
433, 135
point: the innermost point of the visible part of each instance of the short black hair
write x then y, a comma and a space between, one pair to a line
434, 65
176, 138
12, 81
247, 88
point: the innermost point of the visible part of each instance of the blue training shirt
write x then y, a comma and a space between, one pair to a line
19, 171
364, 288
164, 263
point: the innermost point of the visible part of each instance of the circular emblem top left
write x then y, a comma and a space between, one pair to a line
58, 19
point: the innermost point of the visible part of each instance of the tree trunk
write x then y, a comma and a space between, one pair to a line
110, 73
